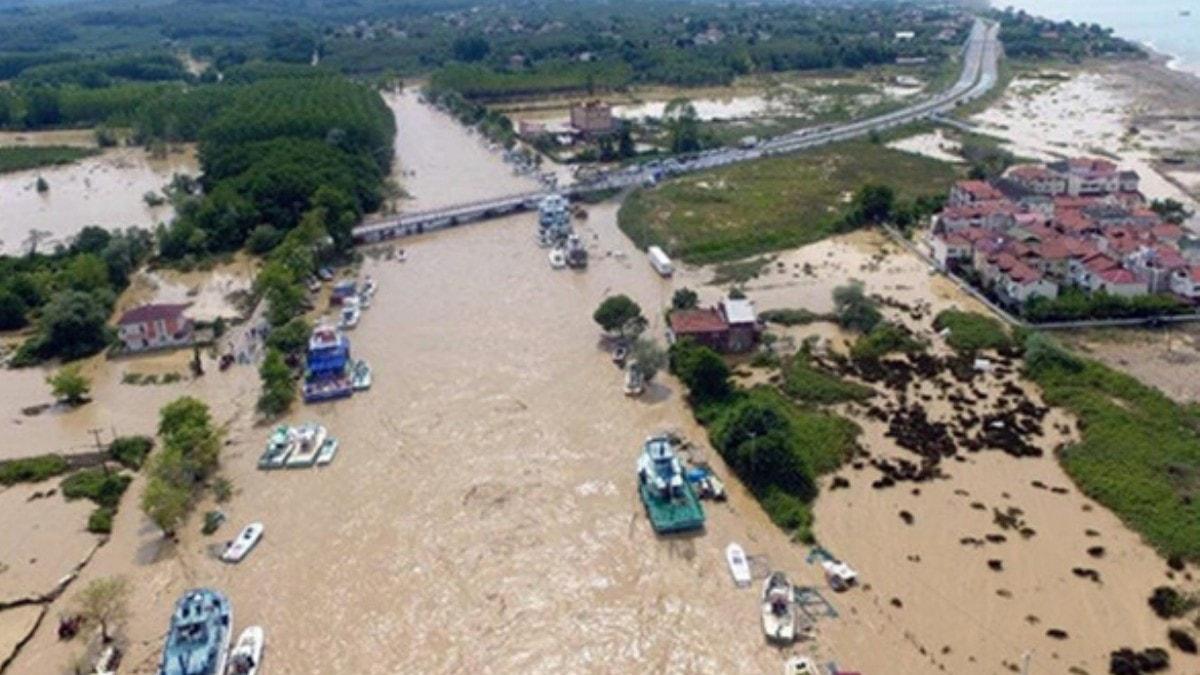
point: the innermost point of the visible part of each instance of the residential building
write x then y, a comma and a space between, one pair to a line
730, 327
592, 118
158, 326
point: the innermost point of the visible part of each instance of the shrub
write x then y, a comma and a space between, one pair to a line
885, 338
617, 314
793, 317
805, 382
130, 451
32, 469
278, 391
853, 309
222, 490
105, 489
212, 521
100, 520
971, 332
702, 370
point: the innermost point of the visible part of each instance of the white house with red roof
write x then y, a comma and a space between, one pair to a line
161, 326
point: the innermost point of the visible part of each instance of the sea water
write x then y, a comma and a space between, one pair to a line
1158, 24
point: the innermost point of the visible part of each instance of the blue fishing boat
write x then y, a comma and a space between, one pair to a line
198, 641
327, 366
669, 499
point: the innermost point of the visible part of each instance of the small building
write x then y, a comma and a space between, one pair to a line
592, 118
155, 327
704, 326
744, 328
905, 35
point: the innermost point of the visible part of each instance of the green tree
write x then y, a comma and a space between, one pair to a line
86, 272
470, 48
873, 204
69, 384
73, 326
105, 602
648, 358
278, 390
617, 314
683, 124
702, 370
165, 504
685, 298
854, 310
12, 310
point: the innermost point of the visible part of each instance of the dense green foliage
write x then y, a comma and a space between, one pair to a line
792, 317
805, 382
885, 338
781, 202
32, 469
102, 487
1027, 36
130, 451
853, 310
190, 453
971, 332
279, 387
1140, 451
22, 158
1073, 304
619, 314
69, 384
702, 370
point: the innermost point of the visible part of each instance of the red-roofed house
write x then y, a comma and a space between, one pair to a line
1018, 282
1156, 264
992, 215
1084, 271
155, 327
967, 192
1037, 179
731, 326
1168, 232
1121, 281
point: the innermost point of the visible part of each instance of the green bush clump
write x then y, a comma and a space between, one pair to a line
805, 382
792, 317
32, 469
130, 451
885, 338
103, 488
971, 332
100, 521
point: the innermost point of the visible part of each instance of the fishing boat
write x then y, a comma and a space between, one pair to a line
309, 439
669, 500
247, 652
360, 376
635, 384
279, 447
326, 374
778, 612
558, 259
350, 314
246, 540
739, 567
577, 255
328, 450
198, 640
343, 291
800, 665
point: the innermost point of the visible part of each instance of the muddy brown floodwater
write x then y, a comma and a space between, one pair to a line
104, 190
482, 516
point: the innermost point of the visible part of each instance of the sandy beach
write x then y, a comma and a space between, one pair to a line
481, 514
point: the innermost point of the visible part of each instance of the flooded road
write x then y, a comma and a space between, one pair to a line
104, 190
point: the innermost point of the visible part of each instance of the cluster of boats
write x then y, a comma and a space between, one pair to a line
298, 447
198, 642
330, 372
352, 301
555, 232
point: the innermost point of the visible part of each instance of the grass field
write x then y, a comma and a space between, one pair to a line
771, 204
1140, 452
20, 159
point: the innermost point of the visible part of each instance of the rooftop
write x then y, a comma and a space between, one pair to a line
693, 321
147, 313
739, 311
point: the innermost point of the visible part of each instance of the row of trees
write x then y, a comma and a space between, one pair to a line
191, 446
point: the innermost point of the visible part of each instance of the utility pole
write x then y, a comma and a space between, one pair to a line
1025, 658
99, 447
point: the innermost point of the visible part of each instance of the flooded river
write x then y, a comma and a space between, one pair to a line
481, 515
104, 190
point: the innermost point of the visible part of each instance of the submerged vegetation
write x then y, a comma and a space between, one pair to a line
21, 158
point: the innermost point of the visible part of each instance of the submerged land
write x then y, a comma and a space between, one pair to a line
482, 513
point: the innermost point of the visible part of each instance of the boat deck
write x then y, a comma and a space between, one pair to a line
677, 515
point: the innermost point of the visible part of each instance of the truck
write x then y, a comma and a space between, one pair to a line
660, 262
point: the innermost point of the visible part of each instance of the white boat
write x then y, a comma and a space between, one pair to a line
360, 376
246, 540
558, 259
715, 487
309, 439
840, 575
328, 450
739, 567
634, 383
349, 317
369, 288
246, 655
401, 256
364, 300
619, 355
778, 612
800, 665
109, 659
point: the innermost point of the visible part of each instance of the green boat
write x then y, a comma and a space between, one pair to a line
670, 502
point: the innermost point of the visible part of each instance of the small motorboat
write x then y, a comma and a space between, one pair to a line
401, 256
778, 612
247, 653
246, 540
800, 665
328, 451
369, 288
839, 575
712, 488
364, 300
360, 376
619, 355
739, 566
349, 317
635, 384
558, 259
309, 439
279, 448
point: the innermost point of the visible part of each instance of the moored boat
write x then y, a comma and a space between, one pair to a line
328, 450
360, 376
326, 374
577, 255
247, 652
198, 639
558, 259
635, 384
778, 612
279, 447
739, 567
247, 539
349, 316
669, 500
839, 575
309, 439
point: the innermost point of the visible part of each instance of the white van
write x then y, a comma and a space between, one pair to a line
660, 262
